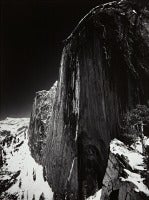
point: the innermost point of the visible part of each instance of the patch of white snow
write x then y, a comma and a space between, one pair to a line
135, 159
137, 180
96, 196
30, 182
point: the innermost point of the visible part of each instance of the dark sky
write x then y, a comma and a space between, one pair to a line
32, 32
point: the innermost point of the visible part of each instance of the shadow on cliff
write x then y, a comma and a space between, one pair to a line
90, 166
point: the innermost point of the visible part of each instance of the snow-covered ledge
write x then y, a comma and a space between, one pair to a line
124, 177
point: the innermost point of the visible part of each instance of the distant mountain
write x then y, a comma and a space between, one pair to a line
20, 176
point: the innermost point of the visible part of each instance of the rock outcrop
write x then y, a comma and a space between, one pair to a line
104, 73
40, 120
124, 177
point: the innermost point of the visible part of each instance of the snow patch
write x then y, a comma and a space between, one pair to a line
72, 165
29, 182
13, 124
134, 158
137, 180
96, 196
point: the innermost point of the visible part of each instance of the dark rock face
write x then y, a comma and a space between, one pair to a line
60, 157
39, 121
104, 72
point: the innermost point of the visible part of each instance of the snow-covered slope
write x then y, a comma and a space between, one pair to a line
20, 176
125, 174
96, 196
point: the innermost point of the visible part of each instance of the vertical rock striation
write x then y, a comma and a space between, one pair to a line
104, 72
60, 156
39, 121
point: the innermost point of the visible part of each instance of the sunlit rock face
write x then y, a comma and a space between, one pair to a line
124, 178
104, 72
40, 120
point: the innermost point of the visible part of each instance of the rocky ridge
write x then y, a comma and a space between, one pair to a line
124, 177
21, 178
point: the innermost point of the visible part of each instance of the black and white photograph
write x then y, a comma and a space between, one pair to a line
74, 100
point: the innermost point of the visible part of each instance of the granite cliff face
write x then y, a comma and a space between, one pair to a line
104, 72
40, 119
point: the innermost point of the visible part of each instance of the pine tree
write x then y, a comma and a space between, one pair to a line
134, 122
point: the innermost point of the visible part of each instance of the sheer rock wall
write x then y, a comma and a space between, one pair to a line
104, 72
